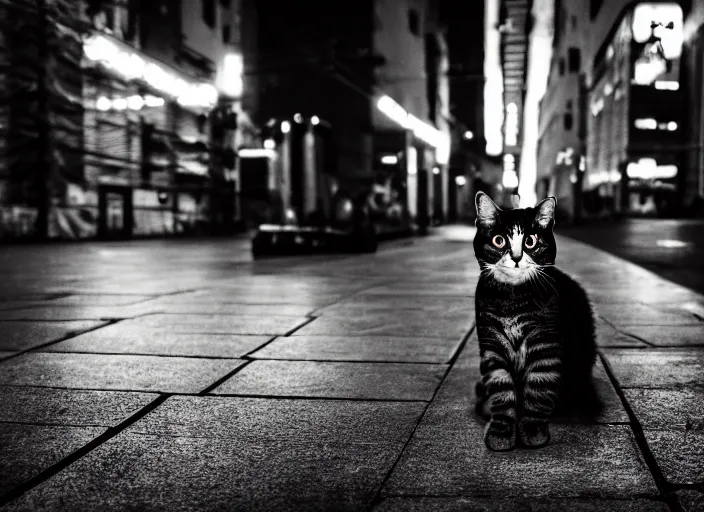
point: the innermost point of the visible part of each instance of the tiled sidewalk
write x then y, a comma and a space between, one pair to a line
180, 376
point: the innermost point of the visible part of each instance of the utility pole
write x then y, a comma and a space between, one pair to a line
42, 171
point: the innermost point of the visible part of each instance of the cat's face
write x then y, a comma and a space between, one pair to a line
513, 245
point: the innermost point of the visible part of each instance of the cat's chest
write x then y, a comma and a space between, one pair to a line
516, 322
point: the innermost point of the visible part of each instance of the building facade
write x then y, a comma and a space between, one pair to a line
635, 160
143, 150
629, 149
693, 84
561, 134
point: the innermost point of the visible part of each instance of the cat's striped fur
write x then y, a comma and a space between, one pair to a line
535, 327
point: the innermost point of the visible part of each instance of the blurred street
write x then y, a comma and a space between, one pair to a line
672, 248
182, 375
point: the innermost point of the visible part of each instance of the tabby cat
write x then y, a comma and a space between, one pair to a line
535, 326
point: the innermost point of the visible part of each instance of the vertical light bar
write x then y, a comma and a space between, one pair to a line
539, 56
412, 180
494, 83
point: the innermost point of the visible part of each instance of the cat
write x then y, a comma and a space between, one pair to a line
535, 324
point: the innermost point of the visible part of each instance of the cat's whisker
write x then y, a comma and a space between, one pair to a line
547, 280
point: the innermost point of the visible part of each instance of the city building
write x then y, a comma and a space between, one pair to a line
142, 102
635, 159
693, 83
561, 130
352, 96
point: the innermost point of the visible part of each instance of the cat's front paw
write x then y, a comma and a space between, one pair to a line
500, 435
533, 433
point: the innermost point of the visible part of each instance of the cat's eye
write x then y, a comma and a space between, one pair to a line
498, 241
531, 241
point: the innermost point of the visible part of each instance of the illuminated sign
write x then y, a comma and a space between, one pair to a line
648, 169
511, 124
256, 153
648, 69
231, 77
667, 85
133, 65
135, 102
645, 14
425, 132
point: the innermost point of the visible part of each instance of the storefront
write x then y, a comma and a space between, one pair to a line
147, 142
635, 117
410, 169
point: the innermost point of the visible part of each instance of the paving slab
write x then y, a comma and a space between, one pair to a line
115, 372
100, 300
630, 292
76, 312
375, 304
669, 336
691, 500
382, 381
214, 308
643, 314
18, 336
211, 453
463, 289
398, 324
271, 295
518, 505
673, 424
656, 368
613, 411
119, 339
256, 325
360, 348
608, 336
69, 407
27, 450
447, 456
23, 304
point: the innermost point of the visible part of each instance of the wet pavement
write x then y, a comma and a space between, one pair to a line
671, 248
181, 375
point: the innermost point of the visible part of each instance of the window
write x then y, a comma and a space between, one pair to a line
414, 22
568, 121
574, 22
208, 14
574, 60
225, 3
569, 104
595, 7
561, 66
226, 33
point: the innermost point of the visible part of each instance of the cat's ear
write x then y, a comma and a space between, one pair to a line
545, 212
487, 211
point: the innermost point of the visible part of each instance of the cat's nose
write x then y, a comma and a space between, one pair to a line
516, 258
